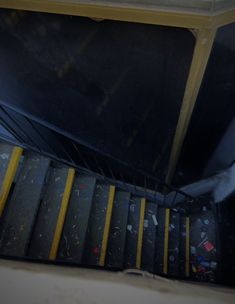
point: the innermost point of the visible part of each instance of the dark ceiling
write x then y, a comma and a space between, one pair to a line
116, 85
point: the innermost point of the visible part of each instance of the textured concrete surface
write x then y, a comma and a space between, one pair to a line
33, 283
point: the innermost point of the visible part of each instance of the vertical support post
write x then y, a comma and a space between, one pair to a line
140, 234
166, 241
9, 176
107, 225
202, 50
62, 214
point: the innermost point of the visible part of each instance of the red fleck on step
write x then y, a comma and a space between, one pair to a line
82, 186
96, 250
208, 246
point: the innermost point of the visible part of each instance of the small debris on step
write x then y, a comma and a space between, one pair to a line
129, 228
206, 222
154, 220
146, 223
208, 246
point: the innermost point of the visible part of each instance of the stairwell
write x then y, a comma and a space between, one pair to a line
54, 213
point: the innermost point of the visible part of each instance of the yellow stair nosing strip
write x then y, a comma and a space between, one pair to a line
107, 226
166, 241
140, 233
9, 176
62, 214
187, 245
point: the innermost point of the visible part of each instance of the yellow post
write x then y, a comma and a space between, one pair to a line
140, 233
107, 225
62, 214
166, 241
9, 176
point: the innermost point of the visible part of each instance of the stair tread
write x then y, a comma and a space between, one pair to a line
149, 240
159, 254
77, 218
49, 209
117, 235
96, 225
22, 207
182, 262
174, 244
132, 232
203, 254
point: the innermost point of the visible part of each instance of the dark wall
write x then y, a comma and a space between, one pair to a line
116, 85
224, 154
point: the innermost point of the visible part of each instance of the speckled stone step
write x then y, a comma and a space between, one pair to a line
95, 232
23, 205
149, 239
77, 219
132, 232
118, 230
46, 221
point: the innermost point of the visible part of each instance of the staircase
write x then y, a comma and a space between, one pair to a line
50, 212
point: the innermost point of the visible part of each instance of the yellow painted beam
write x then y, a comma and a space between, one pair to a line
9, 176
107, 225
62, 214
166, 241
116, 11
202, 50
223, 18
140, 233
187, 248
127, 12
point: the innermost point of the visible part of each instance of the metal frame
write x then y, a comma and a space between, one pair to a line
202, 50
130, 12
205, 24
83, 156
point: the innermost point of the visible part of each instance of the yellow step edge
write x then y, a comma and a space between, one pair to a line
107, 225
9, 176
62, 214
187, 248
166, 241
140, 233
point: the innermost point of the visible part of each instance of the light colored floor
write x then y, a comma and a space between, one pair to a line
34, 283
